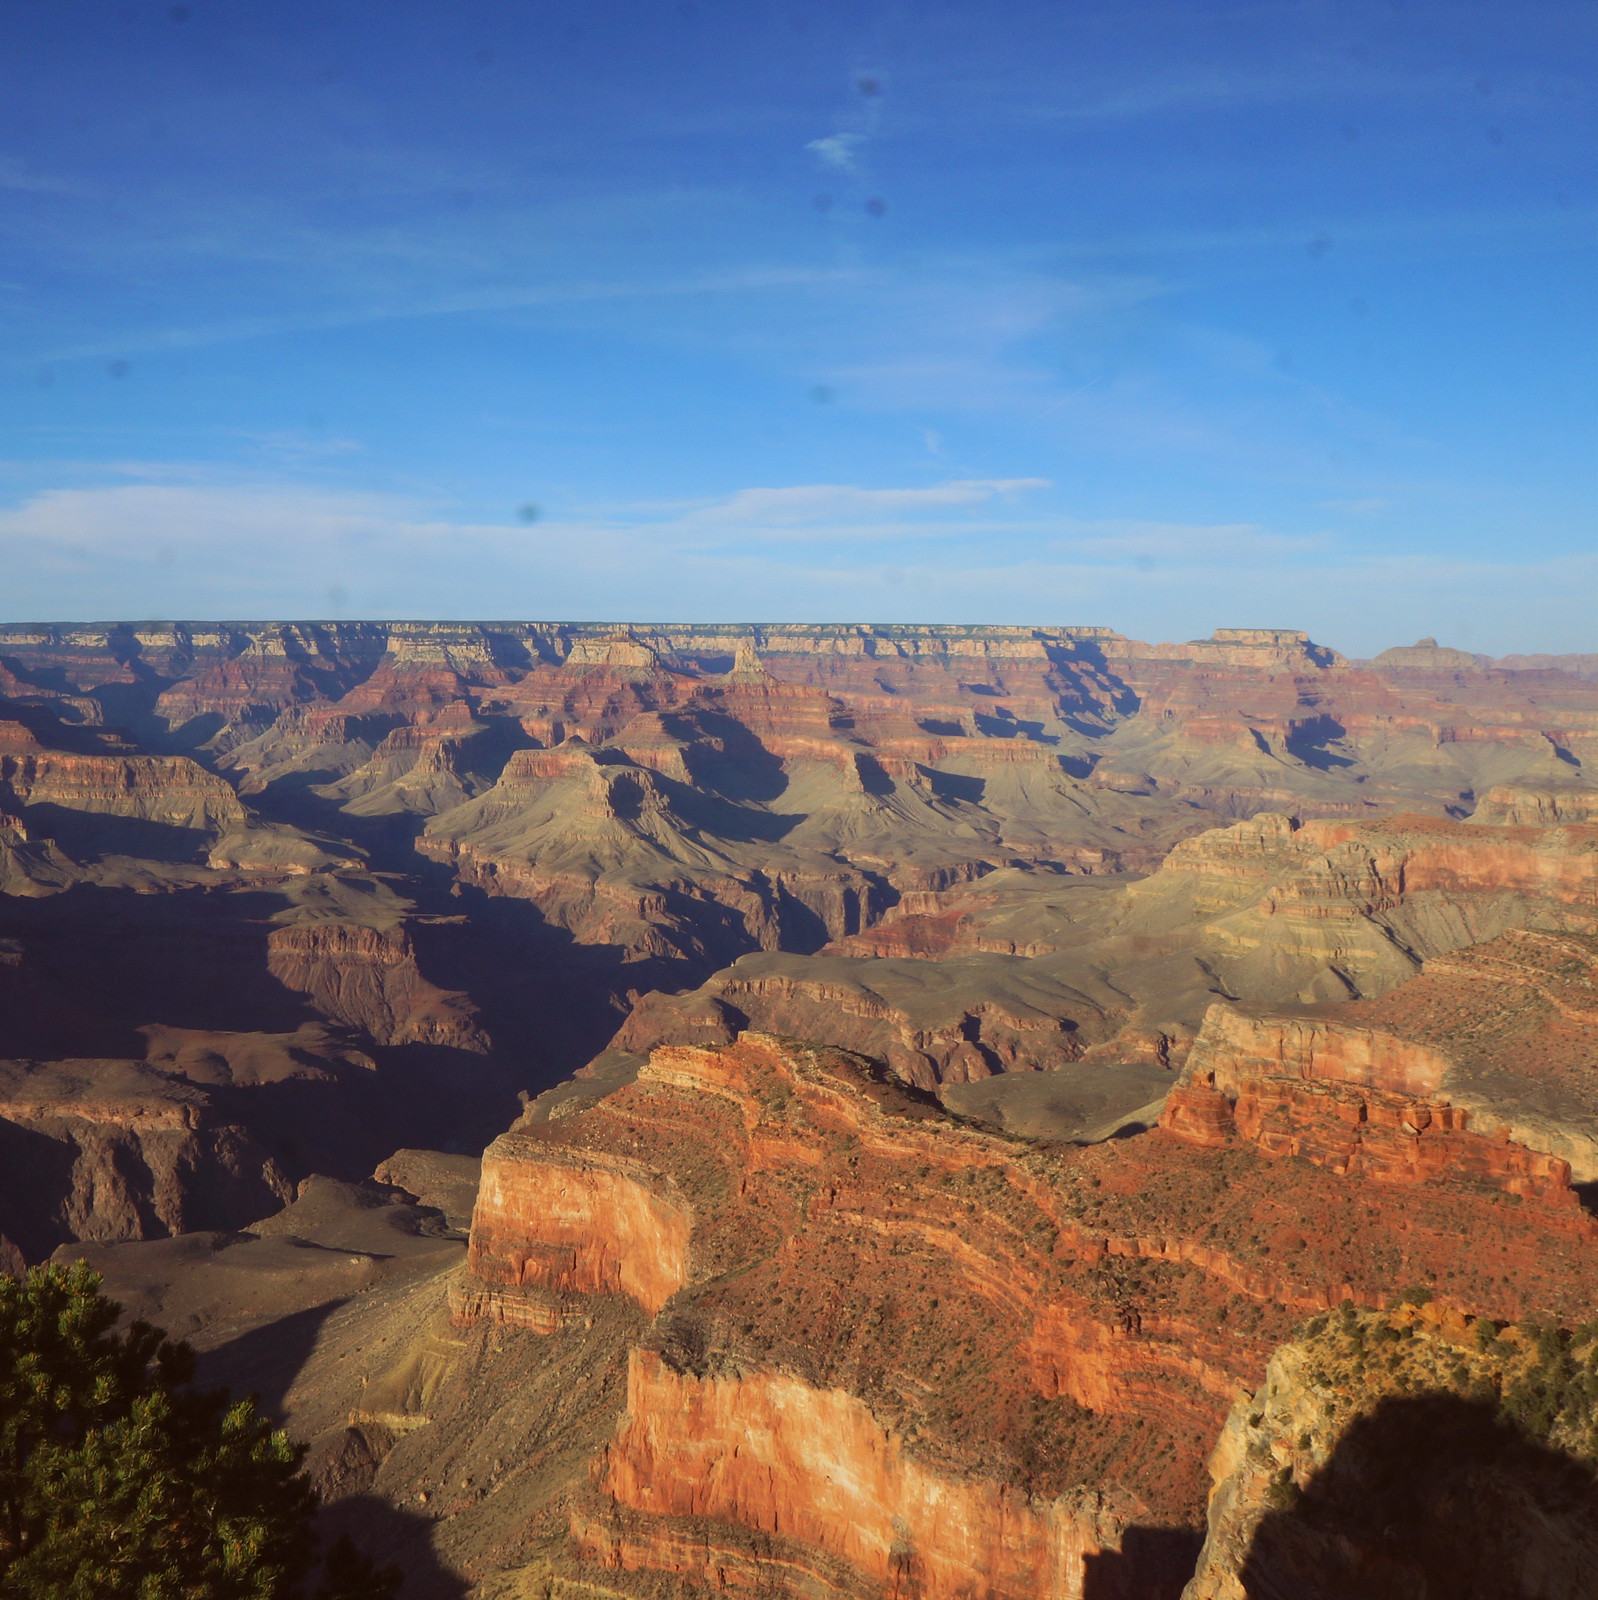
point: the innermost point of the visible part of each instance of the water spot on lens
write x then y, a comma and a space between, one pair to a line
877, 208
528, 513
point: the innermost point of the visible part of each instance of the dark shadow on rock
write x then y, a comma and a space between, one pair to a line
1152, 1564
37, 1172
1311, 741
93, 835
1434, 1497
266, 1360
392, 1537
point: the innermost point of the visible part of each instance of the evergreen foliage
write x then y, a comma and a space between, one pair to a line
120, 1481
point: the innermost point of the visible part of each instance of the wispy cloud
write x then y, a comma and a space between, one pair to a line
970, 549
815, 504
838, 150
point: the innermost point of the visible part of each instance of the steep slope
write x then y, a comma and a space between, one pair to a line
1034, 971
795, 1327
1418, 1451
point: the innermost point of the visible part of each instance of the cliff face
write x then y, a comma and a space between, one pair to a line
163, 804
368, 978
1482, 1064
103, 1150
882, 1351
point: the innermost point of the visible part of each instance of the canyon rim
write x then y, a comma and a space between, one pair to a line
833, 1112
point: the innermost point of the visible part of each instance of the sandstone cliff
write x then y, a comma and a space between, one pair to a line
1484, 1063
795, 1327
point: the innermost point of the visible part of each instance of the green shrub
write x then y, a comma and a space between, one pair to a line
120, 1481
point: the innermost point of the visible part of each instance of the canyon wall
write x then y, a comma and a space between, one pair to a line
912, 1355
281, 899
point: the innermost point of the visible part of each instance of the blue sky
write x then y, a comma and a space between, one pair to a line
1165, 316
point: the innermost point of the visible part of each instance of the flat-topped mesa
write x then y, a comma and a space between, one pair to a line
1259, 649
621, 654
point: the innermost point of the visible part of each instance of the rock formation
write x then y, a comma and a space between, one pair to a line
998, 1042
1347, 1470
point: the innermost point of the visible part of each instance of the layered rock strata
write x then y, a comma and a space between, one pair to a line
1483, 1064
903, 1350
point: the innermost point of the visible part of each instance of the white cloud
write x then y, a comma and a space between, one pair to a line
837, 150
955, 551
814, 504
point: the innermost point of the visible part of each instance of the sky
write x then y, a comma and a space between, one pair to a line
1163, 315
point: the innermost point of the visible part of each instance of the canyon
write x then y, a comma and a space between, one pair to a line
824, 1111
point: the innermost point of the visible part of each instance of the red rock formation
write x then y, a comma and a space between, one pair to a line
910, 1353
368, 978
576, 1223
1337, 1087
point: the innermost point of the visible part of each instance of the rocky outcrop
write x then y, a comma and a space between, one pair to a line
103, 1150
1416, 1451
1479, 1068
368, 978
953, 1022
180, 805
883, 1347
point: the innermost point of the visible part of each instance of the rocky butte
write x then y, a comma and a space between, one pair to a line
833, 1112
